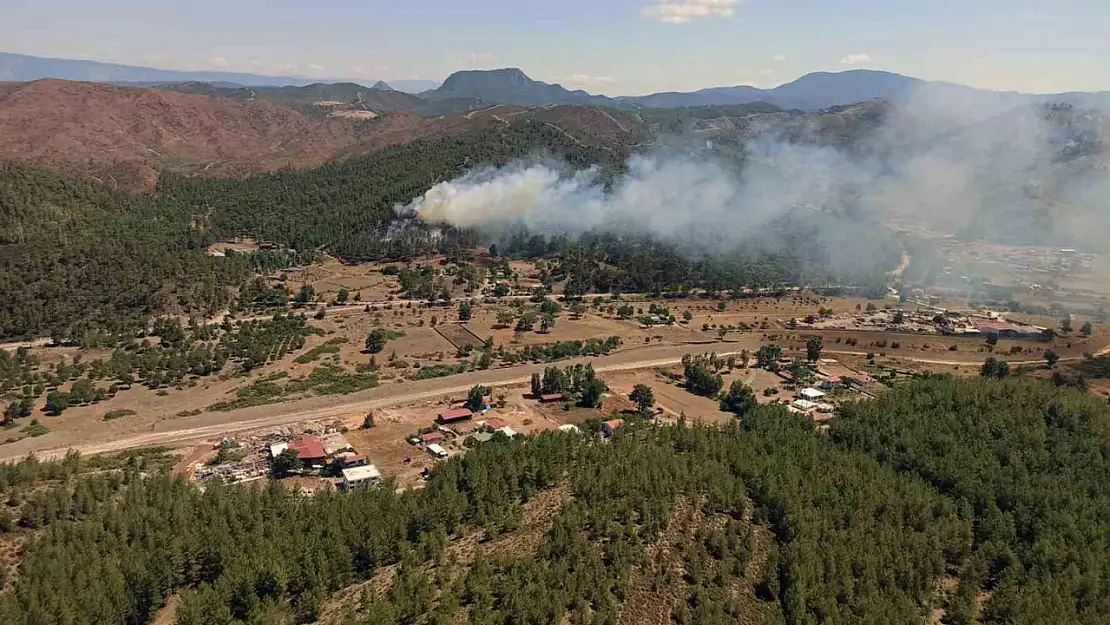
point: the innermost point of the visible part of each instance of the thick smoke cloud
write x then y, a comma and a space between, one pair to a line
694, 202
953, 162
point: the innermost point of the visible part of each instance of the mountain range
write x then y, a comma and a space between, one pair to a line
25, 68
473, 89
815, 91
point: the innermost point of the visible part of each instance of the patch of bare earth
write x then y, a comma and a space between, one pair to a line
168, 614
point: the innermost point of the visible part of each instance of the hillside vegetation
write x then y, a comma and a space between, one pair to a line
998, 486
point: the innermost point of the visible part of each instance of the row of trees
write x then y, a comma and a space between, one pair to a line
181, 352
578, 380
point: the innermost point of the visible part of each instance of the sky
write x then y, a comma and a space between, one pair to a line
615, 47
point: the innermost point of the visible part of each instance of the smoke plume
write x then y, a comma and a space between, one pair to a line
976, 166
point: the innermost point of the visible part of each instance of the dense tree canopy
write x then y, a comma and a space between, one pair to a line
1002, 485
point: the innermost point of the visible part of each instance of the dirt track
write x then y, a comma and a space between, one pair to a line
213, 424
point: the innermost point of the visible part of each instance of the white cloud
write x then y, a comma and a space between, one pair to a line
217, 61
779, 58
860, 58
767, 72
683, 11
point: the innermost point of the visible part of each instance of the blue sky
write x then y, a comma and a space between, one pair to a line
615, 47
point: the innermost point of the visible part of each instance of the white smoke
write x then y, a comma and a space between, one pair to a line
672, 197
949, 163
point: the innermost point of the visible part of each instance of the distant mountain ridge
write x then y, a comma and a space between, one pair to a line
475, 89
814, 91
26, 68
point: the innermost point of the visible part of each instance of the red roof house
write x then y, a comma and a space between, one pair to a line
459, 414
495, 424
550, 397
309, 448
607, 427
431, 437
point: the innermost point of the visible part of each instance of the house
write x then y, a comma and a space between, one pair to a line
552, 397
436, 451
310, 449
826, 408
1010, 330
804, 405
430, 437
452, 416
482, 437
355, 477
350, 459
810, 394
607, 427
277, 448
570, 428
508, 431
495, 424
831, 383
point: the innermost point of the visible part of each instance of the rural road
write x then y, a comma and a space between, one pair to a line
211, 425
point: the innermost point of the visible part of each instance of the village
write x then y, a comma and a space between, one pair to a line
405, 443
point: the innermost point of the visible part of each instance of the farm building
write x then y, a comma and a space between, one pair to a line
494, 424
552, 398
810, 394
570, 427
436, 451
277, 448
310, 449
831, 383
350, 459
367, 475
1010, 330
608, 427
430, 437
453, 416
804, 405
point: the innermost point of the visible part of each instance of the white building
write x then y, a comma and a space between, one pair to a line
277, 448
804, 405
436, 451
569, 427
810, 394
367, 475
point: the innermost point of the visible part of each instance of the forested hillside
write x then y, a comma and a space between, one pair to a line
78, 254
998, 488
75, 254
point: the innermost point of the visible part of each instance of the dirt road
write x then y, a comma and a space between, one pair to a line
215, 424
212, 425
